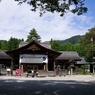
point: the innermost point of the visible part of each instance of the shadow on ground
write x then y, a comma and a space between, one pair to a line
46, 87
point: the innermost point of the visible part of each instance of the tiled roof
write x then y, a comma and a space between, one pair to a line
3, 55
45, 44
22, 44
37, 45
68, 55
83, 61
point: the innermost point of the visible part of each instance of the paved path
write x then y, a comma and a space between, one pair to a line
85, 78
69, 85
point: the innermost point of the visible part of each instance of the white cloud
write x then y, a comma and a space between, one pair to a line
17, 21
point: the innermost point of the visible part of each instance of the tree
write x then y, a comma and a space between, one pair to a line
67, 47
60, 6
79, 48
33, 33
4, 45
55, 45
13, 43
1, 43
89, 44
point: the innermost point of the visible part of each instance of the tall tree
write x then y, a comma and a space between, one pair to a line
89, 43
67, 47
60, 6
55, 45
33, 33
13, 43
79, 48
4, 45
1, 43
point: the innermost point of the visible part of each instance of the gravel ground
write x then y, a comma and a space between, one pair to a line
69, 85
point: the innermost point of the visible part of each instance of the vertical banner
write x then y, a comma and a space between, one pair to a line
18, 72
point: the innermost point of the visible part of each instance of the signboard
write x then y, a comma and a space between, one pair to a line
33, 58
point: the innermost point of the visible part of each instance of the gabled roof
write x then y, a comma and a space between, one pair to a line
23, 44
23, 47
83, 61
45, 44
3, 55
69, 55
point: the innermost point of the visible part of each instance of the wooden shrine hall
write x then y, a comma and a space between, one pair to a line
39, 56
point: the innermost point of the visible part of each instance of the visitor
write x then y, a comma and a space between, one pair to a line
8, 71
32, 72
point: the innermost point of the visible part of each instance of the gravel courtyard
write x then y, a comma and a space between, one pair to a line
69, 85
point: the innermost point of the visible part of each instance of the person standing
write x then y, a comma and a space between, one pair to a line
8, 71
32, 72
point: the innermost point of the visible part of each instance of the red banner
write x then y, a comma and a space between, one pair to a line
18, 72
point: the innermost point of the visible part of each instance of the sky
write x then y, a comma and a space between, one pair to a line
17, 21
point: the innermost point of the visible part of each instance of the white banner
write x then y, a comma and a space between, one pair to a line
33, 58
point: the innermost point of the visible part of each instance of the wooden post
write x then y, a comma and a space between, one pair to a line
71, 70
11, 67
44, 66
22, 69
47, 67
54, 66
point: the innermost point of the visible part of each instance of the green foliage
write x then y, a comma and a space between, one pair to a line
89, 44
79, 48
13, 43
82, 70
88, 36
87, 73
33, 33
67, 47
85, 46
72, 40
88, 56
4, 45
1, 43
59, 6
55, 45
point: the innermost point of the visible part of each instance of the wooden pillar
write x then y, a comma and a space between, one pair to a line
46, 66
22, 69
54, 66
71, 71
12, 67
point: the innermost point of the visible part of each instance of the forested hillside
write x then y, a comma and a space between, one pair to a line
84, 45
72, 40
14, 42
